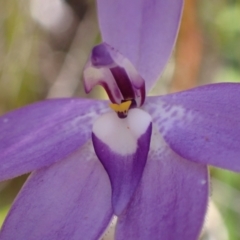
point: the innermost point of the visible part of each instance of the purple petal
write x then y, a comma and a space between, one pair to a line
171, 199
67, 200
43, 133
122, 146
202, 124
144, 31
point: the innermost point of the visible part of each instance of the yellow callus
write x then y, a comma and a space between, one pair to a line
121, 108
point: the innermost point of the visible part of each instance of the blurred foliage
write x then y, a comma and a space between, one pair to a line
226, 193
8, 191
228, 33
221, 27
26, 75
19, 40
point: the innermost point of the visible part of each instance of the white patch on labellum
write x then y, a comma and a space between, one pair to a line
121, 135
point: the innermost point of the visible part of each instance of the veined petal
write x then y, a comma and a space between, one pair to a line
144, 31
201, 124
122, 146
171, 199
67, 200
43, 133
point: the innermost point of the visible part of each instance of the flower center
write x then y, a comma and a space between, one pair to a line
121, 109
115, 73
121, 142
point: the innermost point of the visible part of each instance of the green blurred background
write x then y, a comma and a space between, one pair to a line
44, 45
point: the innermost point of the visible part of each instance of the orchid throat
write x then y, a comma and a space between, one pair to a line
115, 73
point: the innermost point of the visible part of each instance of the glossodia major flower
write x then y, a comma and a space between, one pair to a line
143, 159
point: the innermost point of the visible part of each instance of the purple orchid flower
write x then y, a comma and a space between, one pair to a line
153, 152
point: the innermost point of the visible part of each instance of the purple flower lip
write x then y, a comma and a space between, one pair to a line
122, 147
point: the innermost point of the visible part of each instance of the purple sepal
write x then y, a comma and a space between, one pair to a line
144, 31
170, 201
201, 124
68, 200
45, 132
124, 172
